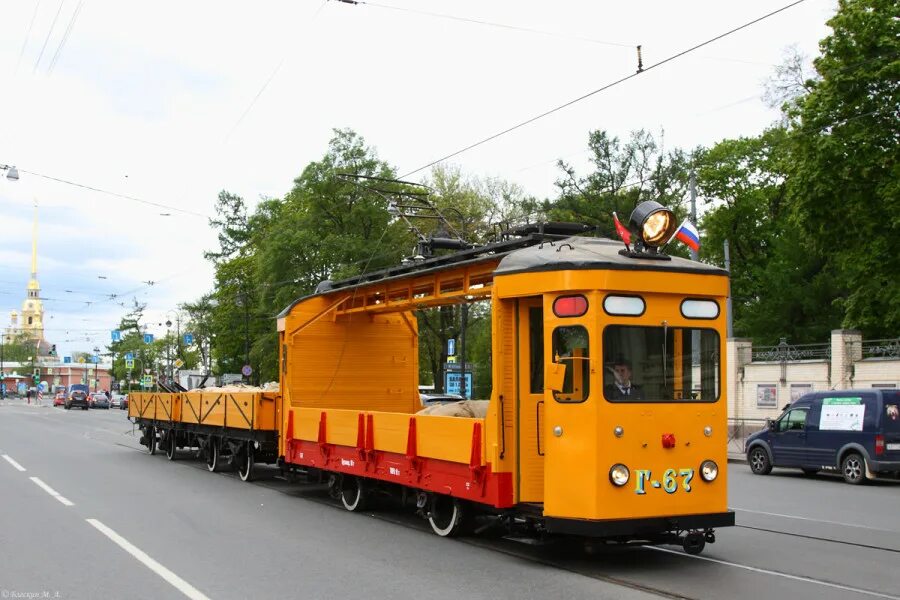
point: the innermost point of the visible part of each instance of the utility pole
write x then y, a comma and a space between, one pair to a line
462, 349
694, 254
729, 317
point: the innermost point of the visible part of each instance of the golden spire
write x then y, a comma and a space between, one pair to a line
34, 243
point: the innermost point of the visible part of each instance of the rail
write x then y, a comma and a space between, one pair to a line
784, 352
889, 348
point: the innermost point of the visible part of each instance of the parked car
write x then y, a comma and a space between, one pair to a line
77, 396
124, 403
854, 432
59, 399
99, 400
115, 401
430, 399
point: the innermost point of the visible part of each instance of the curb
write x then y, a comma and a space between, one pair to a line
737, 459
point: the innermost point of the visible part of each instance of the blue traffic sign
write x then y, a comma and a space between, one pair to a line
129, 356
453, 383
95, 359
67, 359
188, 339
148, 338
451, 347
116, 335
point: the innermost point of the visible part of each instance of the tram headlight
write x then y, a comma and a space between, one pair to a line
654, 223
619, 474
709, 470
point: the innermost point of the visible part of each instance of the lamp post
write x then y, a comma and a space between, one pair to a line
96, 368
2, 372
168, 356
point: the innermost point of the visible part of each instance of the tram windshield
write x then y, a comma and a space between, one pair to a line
660, 364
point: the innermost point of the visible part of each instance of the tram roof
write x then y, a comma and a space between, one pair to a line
531, 253
578, 253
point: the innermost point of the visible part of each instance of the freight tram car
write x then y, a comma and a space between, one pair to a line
607, 418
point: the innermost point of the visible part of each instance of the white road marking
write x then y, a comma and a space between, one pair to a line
180, 584
836, 586
52, 492
771, 514
13, 463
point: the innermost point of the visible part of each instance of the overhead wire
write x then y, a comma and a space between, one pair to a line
37, 5
65, 37
490, 23
47, 39
603, 88
116, 194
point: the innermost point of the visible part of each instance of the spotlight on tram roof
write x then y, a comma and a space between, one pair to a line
653, 222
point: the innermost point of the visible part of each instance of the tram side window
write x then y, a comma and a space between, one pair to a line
663, 364
570, 348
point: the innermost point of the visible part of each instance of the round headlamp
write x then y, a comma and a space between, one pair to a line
709, 470
619, 474
654, 223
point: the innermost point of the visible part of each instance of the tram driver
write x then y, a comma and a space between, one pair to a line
623, 389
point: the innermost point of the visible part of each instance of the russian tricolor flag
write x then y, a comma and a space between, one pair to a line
688, 235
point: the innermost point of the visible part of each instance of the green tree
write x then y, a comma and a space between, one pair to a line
845, 178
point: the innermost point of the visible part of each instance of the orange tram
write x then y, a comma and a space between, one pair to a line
607, 418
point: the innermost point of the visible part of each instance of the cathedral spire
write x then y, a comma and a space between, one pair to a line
34, 232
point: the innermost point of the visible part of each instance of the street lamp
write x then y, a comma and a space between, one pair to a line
11, 172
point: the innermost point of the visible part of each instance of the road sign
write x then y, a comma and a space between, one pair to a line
95, 359
67, 360
129, 356
246, 370
451, 347
188, 339
453, 381
179, 363
116, 335
81, 359
129, 363
148, 338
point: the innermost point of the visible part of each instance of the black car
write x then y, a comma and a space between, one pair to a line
78, 396
854, 432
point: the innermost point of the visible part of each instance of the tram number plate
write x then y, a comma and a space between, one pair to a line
670, 481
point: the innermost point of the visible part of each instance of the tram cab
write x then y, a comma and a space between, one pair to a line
609, 388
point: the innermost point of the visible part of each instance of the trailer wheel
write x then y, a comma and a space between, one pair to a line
171, 445
446, 515
354, 493
245, 462
151, 440
212, 455
693, 542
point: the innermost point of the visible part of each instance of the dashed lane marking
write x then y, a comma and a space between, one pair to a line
13, 463
52, 492
180, 584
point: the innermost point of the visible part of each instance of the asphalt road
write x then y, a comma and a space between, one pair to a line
105, 519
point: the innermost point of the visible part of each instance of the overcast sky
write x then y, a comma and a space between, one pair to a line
171, 102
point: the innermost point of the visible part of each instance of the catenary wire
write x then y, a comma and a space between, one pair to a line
65, 37
490, 23
116, 194
47, 39
603, 88
37, 5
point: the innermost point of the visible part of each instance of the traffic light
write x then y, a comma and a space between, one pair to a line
53, 350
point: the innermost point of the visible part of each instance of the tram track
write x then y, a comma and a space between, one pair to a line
573, 564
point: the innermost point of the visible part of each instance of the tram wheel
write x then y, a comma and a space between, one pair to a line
354, 493
151, 440
693, 542
212, 455
245, 461
446, 515
171, 445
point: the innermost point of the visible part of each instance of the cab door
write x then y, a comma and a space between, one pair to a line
789, 438
530, 399
570, 423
